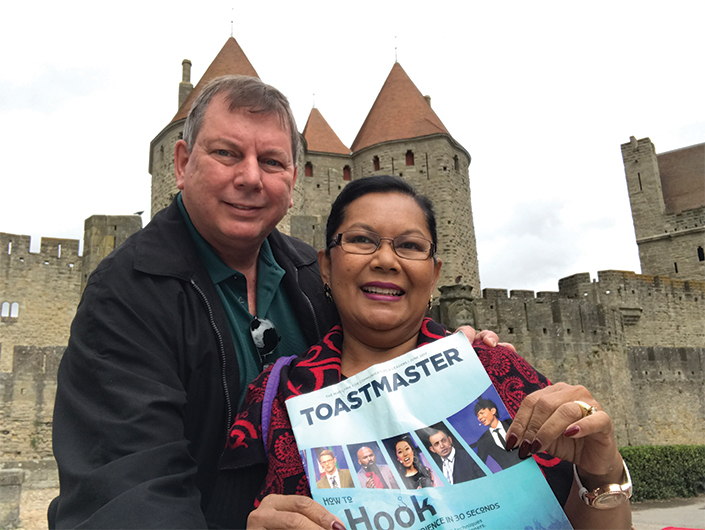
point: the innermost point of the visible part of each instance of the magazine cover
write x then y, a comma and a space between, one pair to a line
418, 442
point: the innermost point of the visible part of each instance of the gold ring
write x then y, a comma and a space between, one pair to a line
587, 410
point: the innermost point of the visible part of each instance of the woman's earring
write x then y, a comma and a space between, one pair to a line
326, 291
430, 302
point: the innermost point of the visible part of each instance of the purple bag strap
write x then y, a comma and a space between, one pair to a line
270, 391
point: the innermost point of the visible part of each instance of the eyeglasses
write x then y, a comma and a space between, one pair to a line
366, 242
265, 337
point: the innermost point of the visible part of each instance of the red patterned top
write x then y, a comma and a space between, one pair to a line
511, 375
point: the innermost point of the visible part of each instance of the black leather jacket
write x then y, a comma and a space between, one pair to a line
149, 381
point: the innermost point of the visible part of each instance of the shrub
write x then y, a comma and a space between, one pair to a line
665, 471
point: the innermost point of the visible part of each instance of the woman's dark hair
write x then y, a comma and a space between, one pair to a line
377, 184
418, 466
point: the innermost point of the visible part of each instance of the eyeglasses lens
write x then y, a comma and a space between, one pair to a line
405, 246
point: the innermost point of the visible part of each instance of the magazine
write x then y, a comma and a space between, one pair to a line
416, 443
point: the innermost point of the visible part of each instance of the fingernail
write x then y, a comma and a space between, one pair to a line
572, 430
524, 449
337, 525
536, 446
511, 441
493, 343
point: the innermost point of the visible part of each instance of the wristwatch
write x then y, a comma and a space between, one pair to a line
608, 496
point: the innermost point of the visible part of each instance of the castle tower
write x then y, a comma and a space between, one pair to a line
324, 169
667, 196
403, 136
230, 60
101, 235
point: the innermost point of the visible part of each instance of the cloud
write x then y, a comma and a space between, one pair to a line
51, 89
529, 245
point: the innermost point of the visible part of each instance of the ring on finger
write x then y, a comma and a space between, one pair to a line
587, 410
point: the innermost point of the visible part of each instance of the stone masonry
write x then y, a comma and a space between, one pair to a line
636, 341
40, 293
667, 196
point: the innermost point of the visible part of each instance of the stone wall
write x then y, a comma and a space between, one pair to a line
440, 171
46, 287
669, 241
101, 235
161, 165
40, 293
28, 473
636, 341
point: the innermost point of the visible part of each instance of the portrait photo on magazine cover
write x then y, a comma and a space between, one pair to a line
411, 463
371, 467
450, 456
483, 426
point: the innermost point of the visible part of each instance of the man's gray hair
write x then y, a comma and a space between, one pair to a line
242, 92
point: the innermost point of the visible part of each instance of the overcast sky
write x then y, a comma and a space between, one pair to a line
541, 94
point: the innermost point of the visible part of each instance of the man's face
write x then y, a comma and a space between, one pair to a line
237, 181
487, 417
441, 444
328, 463
365, 457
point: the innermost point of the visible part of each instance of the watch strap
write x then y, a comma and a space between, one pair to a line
592, 498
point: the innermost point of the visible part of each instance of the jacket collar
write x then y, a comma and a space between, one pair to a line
165, 247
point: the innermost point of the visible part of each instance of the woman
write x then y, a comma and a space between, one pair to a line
380, 268
414, 474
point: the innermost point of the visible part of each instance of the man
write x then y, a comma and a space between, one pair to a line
372, 475
176, 322
332, 476
457, 466
160, 352
492, 443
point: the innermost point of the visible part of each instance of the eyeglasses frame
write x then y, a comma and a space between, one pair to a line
337, 241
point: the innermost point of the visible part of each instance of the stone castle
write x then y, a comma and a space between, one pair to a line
637, 341
401, 135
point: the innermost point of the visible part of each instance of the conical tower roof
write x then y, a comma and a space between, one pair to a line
321, 137
400, 111
231, 60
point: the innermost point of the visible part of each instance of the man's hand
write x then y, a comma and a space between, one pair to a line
292, 511
488, 337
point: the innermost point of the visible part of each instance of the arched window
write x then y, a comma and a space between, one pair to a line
5, 311
14, 310
409, 158
375, 163
308, 169
346, 173
701, 254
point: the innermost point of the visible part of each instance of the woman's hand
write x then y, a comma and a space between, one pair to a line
490, 338
550, 420
292, 511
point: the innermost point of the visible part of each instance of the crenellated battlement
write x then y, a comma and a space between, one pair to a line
627, 337
16, 248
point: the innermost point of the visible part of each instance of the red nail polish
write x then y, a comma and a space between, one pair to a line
511, 441
337, 525
524, 449
536, 446
572, 431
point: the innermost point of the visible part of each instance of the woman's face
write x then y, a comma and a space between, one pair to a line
381, 292
405, 454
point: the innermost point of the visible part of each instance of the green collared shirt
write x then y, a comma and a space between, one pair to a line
272, 303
